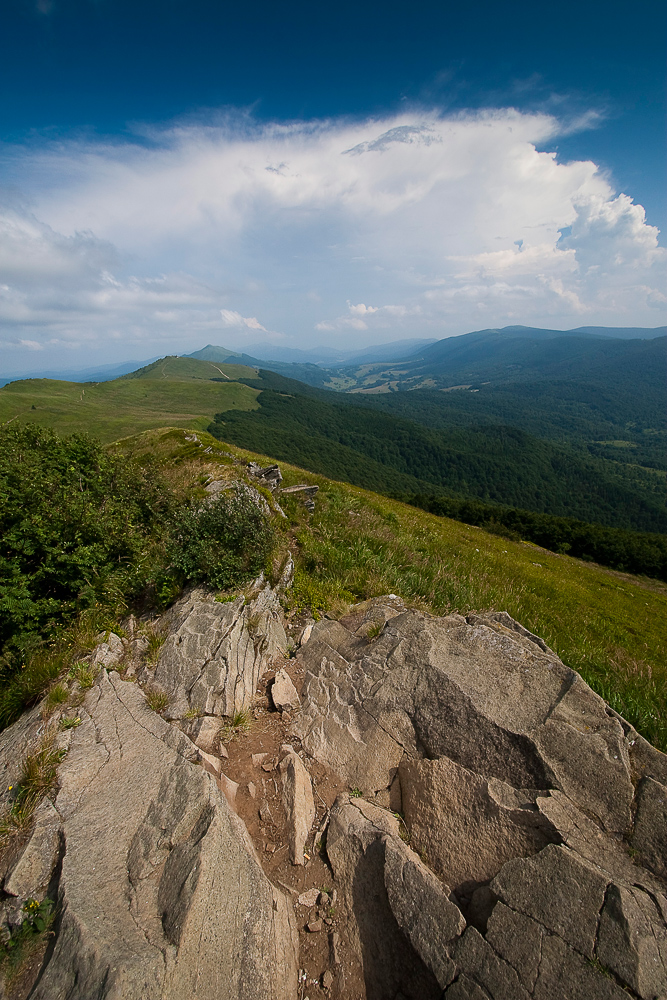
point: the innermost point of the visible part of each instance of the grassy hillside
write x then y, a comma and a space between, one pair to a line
152, 397
607, 625
177, 369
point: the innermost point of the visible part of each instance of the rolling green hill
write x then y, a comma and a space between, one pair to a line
505, 357
528, 446
157, 395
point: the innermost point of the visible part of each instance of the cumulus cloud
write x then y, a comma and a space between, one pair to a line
232, 318
193, 232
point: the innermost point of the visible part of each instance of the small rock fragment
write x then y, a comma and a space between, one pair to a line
299, 804
258, 759
327, 980
283, 693
228, 788
32, 872
204, 733
211, 764
268, 766
265, 812
252, 790
309, 897
314, 926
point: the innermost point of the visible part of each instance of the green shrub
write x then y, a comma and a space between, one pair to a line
224, 542
77, 527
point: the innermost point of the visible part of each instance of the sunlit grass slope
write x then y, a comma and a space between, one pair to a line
178, 369
608, 626
146, 399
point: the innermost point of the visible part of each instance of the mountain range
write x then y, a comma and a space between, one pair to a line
340, 370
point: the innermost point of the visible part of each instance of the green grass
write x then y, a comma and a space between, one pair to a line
175, 368
111, 410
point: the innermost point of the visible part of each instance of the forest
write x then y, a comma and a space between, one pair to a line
491, 462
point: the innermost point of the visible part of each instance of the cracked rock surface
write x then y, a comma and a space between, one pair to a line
503, 836
215, 652
537, 809
160, 893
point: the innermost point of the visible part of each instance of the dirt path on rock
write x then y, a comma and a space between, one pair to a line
327, 958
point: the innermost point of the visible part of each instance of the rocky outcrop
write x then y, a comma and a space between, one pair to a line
503, 837
215, 653
398, 912
538, 811
160, 893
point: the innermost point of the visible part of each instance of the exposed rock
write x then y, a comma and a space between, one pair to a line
518, 939
160, 890
650, 833
307, 493
228, 788
270, 477
31, 874
309, 898
559, 890
485, 695
517, 784
204, 733
465, 989
283, 693
216, 652
467, 825
359, 837
422, 908
299, 804
628, 943
305, 634
109, 652
211, 764
565, 975
481, 963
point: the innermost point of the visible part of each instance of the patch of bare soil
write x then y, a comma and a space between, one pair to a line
329, 965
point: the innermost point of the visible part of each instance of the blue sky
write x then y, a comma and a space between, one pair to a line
175, 173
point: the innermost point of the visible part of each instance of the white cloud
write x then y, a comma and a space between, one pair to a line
231, 318
457, 221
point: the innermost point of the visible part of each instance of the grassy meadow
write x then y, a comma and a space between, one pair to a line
607, 625
176, 392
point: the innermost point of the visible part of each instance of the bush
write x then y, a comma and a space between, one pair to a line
77, 527
223, 543
84, 535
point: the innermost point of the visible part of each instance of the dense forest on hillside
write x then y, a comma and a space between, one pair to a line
494, 463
